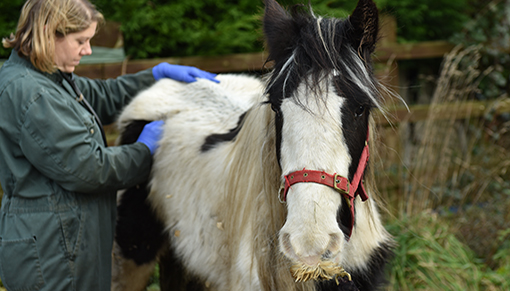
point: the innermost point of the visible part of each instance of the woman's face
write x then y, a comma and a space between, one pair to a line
70, 49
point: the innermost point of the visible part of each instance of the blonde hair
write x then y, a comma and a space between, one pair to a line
41, 21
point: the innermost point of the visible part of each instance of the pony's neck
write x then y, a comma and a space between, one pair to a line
252, 156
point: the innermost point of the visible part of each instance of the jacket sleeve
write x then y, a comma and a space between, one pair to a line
108, 97
58, 142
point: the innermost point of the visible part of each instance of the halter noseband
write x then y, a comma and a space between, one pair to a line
347, 189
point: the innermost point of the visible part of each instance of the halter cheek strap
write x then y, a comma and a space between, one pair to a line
348, 189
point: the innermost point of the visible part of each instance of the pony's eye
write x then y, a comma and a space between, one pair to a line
360, 111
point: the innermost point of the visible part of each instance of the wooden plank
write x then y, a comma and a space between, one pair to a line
387, 51
411, 51
255, 61
460, 110
217, 64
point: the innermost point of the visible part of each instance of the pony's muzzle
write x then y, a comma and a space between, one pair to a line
311, 250
314, 258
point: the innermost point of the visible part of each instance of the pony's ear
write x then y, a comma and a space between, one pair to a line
365, 27
279, 30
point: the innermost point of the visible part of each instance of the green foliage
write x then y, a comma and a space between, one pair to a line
416, 20
212, 27
490, 27
154, 281
184, 28
8, 21
502, 255
158, 28
426, 19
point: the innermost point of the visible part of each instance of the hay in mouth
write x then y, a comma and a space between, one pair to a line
325, 270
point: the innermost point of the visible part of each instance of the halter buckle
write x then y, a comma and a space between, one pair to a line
339, 178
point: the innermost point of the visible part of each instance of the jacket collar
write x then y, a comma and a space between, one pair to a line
25, 62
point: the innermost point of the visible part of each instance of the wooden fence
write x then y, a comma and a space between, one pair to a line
387, 53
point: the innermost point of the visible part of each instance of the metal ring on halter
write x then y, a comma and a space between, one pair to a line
282, 190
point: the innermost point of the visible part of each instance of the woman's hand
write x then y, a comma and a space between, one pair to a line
151, 134
181, 73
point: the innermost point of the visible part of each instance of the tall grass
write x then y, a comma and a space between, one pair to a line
431, 257
442, 158
448, 161
447, 189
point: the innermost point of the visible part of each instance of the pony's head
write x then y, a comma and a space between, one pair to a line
322, 90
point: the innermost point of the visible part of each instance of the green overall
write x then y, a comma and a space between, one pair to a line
58, 212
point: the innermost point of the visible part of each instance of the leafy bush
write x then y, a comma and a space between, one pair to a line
417, 20
490, 26
8, 21
182, 28
158, 28
426, 19
212, 27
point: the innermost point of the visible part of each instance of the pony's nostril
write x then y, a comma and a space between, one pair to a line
327, 255
334, 244
286, 246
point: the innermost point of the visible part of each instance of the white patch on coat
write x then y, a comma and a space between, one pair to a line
312, 138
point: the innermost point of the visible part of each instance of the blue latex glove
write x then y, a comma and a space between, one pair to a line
151, 134
181, 73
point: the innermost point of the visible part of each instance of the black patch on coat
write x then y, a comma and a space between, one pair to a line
355, 116
278, 123
138, 232
343, 285
212, 140
173, 276
132, 131
355, 113
374, 277
344, 218
369, 279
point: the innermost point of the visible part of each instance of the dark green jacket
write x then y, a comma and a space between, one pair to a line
58, 211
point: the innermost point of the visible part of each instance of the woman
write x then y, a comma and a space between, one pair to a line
58, 211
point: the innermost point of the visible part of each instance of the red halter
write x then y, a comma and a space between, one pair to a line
341, 184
